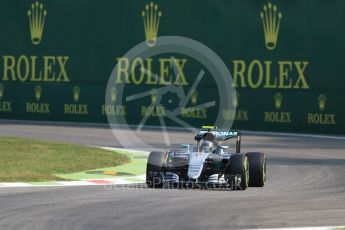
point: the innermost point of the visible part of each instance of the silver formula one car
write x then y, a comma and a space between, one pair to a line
207, 164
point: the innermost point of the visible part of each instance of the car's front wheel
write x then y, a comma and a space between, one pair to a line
239, 168
257, 169
155, 169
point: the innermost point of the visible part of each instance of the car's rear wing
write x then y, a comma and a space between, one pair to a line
219, 135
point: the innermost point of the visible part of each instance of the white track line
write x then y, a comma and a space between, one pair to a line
90, 182
74, 183
13, 185
121, 149
307, 228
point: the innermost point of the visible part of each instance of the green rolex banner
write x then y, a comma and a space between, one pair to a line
286, 59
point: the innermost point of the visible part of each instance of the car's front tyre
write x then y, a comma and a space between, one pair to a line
239, 167
257, 169
155, 169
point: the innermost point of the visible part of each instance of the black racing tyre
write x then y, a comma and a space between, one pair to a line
239, 166
155, 169
257, 169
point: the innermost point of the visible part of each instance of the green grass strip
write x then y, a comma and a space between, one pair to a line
27, 160
136, 167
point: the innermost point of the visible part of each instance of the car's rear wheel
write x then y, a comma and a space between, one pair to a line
155, 169
239, 168
257, 169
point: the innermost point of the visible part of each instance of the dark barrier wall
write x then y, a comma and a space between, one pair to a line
287, 60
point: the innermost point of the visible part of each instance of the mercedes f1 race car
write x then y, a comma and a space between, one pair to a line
207, 164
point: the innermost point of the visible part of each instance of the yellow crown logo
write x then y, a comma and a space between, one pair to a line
151, 16
2, 88
154, 95
113, 95
271, 22
322, 102
38, 92
37, 15
194, 98
278, 100
76, 94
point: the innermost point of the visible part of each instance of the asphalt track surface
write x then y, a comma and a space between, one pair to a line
305, 187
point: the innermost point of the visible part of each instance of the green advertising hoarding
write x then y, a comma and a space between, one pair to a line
286, 59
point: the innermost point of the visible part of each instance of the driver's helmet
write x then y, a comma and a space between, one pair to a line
206, 146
